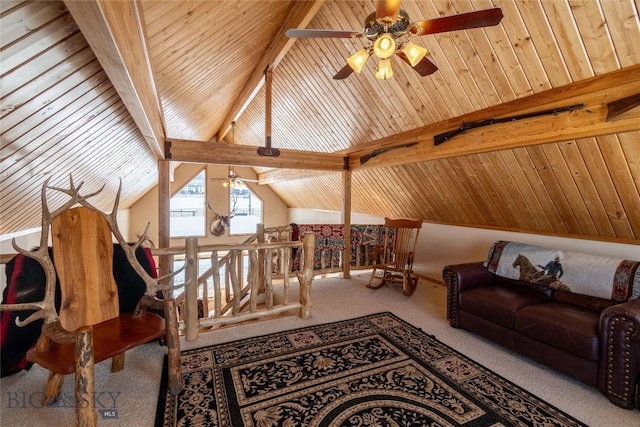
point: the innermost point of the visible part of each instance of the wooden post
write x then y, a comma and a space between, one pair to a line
346, 220
284, 269
260, 238
233, 269
240, 270
267, 108
205, 299
173, 347
217, 294
268, 282
164, 206
254, 270
306, 276
191, 289
85, 396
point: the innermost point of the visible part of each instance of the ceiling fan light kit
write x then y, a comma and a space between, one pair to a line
357, 61
384, 70
233, 180
233, 183
387, 24
414, 53
384, 46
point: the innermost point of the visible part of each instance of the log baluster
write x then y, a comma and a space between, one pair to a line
305, 277
217, 292
191, 289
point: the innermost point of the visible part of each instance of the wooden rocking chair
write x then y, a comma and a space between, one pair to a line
395, 257
88, 327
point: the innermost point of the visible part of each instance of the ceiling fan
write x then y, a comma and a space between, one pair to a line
388, 30
233, 180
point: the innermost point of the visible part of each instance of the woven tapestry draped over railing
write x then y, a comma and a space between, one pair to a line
330, 244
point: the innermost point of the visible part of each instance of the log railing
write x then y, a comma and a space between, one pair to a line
243, 281
237, 282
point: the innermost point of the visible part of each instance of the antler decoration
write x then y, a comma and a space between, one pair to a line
153, 284
46, 308
220, 222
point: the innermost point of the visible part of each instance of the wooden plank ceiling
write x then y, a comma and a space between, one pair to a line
94, 92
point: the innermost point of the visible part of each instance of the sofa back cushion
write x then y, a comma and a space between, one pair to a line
532, 287
586, 301
580, 273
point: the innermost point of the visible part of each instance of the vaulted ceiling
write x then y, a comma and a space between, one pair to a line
97, 88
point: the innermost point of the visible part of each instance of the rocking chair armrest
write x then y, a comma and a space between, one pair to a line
376, 252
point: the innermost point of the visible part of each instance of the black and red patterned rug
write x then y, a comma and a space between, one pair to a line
375, 370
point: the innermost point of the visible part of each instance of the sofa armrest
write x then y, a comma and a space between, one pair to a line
619, 371
458, 278
467, 275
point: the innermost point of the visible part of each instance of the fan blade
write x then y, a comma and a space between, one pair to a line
344, 73
424, 67
388, 8
463, 21
322, 34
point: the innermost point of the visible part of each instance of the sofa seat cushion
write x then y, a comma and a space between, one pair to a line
498, 304
568, 327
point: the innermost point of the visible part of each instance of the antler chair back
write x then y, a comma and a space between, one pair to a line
88, 327
394, 259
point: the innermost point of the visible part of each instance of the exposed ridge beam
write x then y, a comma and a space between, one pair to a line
114, 30
221, 153
299, 17
595, 93
277, 175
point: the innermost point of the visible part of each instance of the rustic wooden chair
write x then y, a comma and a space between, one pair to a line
88, 327
394, 259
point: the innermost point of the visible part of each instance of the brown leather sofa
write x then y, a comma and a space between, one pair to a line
594, 340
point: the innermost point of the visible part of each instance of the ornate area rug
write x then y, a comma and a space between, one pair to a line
372, 371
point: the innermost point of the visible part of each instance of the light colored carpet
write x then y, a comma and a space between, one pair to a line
135, 389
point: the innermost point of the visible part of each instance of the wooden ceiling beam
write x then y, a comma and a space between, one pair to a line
221, 153
595, 93
114, 30
598, 93
301, 14
277, 175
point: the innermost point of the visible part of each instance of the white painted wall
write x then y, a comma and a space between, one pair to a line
440, 245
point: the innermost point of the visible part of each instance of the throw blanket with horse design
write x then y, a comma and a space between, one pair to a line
593, 275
